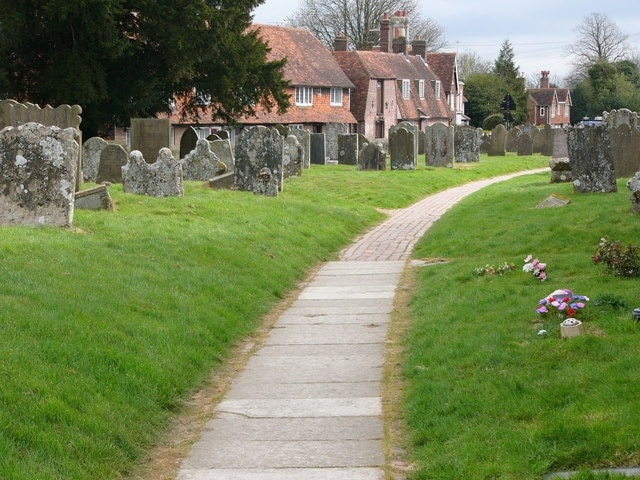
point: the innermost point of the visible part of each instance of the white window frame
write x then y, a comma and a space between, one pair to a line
437, 88
406, 89
421, 89
304, 95
336, 96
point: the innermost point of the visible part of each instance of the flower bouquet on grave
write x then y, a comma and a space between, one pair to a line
566, 305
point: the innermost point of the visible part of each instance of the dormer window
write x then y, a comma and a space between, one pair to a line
304, 96
406, 89
336, 96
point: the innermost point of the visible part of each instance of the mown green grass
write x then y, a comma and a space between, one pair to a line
488, 397
106, 328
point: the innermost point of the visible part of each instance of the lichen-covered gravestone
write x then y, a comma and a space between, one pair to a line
372, 157
525, 145
292, 157
222, 149
466, 143
304, 139
38, 167
402, 148
625, 145
163, 178
91, 150
201, 163
348, 149
634, 185
591, 160
440, 148
256, 148
332, 130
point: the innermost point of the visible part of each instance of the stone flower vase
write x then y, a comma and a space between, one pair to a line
571, 327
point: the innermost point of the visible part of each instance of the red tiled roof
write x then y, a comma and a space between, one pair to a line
444, 66
542, 96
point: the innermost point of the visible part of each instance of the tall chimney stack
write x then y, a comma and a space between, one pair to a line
544, 80
385, 33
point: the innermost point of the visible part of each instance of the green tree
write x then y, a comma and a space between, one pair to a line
504, 66
484, 92
506, 69
129, 58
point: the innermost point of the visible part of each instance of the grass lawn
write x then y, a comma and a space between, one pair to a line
107, 328
486, 395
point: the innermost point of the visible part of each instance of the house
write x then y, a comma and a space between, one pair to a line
445, 66
320, 91
392, 85
549, 105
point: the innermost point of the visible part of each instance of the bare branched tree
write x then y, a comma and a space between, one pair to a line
599, 38
471, 62
359, 20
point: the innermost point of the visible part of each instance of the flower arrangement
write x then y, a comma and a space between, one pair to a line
493, 270
564, 302
535, 267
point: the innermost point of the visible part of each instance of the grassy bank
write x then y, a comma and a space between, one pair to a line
106, 328
487, 395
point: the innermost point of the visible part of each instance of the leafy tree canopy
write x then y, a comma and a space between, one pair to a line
128, 58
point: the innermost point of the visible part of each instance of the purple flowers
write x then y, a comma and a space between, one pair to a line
565, 302
536, 267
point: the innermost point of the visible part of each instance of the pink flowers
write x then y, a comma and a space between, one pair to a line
564, 302
535, 267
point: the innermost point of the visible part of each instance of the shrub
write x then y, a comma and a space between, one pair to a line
619, 260
491, 121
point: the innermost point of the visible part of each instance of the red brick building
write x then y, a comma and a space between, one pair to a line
549, 105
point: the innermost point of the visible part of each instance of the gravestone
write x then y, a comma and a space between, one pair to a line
466, 143
163, 178
201, 163
402, 148
372, 157
212, 137
525, 145
13, 113
348, 148
538, 140
553, 201
560, 148
560, 170
188, 141
112, 159
625, 145
317, 147
623, 116
149, 135
332, 130
548, 137
222, 149
422, 142
37, 175
634, 185
304, 139
440, 148
223, 135
292, 157
513, 137
485, 143
265, 184
591, 159
91, 150
497, 147
96, 198
256, 148
223, 182
416, 137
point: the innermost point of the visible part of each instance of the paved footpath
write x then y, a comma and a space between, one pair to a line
308, 404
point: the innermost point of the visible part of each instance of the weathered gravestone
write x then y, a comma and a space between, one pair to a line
402, 148
497, 147
525, 145
292, 157
304, 139
91, 151
348, 148
538, 140
149, 135
258, 147
623, 116
422, 142
112, 159
466, 143
96, 198
201, 163
318, 152
266, 184
548, 136
625, 145
37, 175
513, 137
222, 149
560, 170
163, 178
188, 141
332, 130
634, 185
372, 157
440, 148
591, 159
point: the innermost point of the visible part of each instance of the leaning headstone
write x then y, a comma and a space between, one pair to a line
91, 150
96, 198
256, 148
591, 159
265, 184
440, 148
634, 185
372, 157
292, 157
201, 163
513, 136
304, 139
188, 141
402, 147
348, 148
525, 145
37, 175
466, 143
625, 145
222, 149
163, 178
497, 148
560, 170
112, 158
223, 182
332, 130
317, 147
149, 135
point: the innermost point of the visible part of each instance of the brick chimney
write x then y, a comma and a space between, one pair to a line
419, 47
385, 33
340, 43
399, 26
544, 79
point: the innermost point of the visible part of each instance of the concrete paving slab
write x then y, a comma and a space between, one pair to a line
362, 267
333, 319
283, 474
341, 279
348, 292
319, 334
322, 349
340, 307
302, 407
283, 454
248, 387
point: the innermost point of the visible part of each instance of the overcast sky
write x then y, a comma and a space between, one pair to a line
539, 30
